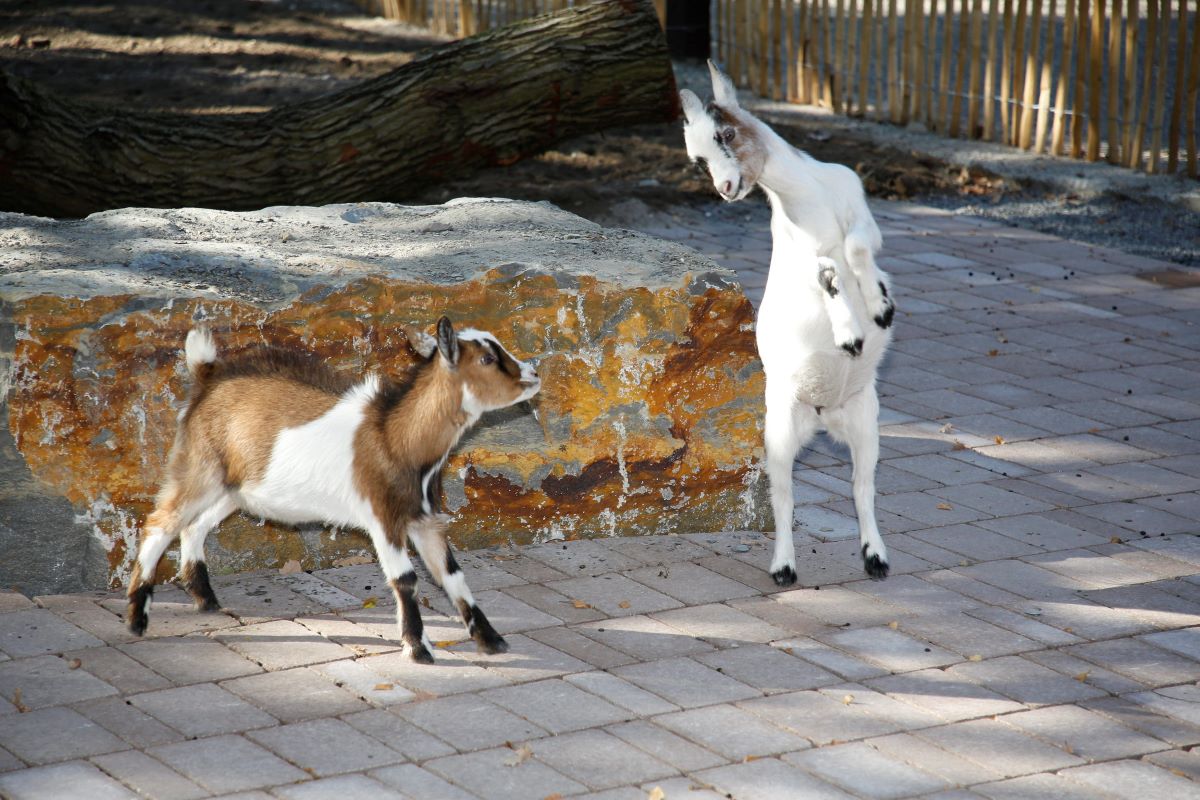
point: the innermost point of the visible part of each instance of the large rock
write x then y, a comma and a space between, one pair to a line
649, 420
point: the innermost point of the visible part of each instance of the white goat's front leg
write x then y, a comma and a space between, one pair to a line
861, 257
430, 540
847, 333
857, 424
789, 425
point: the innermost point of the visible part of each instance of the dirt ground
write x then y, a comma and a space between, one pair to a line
242, 56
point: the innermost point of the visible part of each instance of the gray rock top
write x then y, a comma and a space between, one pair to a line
273, 255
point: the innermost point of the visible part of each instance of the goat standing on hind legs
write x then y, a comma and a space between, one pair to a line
284, 438
820, 360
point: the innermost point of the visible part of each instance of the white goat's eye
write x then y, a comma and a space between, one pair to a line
726, 136
487, 359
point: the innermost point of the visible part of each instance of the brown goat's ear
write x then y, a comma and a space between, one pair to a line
420, 341
447, 340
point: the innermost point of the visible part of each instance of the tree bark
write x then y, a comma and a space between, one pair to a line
488, 100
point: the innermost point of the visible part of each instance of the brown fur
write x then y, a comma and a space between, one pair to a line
747, 147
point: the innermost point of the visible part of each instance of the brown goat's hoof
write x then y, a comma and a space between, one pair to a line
136, 622
418, 654
210, 606
492, 647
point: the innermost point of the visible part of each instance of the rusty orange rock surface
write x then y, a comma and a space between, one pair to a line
649, 420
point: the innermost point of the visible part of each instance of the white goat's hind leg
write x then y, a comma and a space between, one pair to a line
861, 258
847, 333
857, 424
428, 537
789, 425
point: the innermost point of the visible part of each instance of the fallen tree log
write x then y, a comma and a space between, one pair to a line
489, 100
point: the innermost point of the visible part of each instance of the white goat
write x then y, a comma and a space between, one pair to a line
284, 438
820, 362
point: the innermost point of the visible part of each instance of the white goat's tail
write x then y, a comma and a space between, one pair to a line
200, 351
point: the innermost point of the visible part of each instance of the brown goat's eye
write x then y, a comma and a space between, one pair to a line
487, 359
726, 136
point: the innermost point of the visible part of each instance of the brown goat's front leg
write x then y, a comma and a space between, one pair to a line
430, 542
412, 629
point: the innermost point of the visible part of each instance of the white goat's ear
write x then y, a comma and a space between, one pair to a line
693, 109
420, 341
447, 340
724, 94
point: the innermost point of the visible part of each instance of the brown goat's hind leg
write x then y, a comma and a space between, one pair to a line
157, 535
193, 572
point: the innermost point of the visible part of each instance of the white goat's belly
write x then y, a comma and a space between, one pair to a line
310, 477
795, 343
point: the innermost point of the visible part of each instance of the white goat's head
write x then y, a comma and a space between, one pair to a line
721, 138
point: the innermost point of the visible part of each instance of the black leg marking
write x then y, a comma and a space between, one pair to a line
413, 632
884, 320
135, 613
875, 566
485, 636
825, 277
195, 581
784, 576
853, 348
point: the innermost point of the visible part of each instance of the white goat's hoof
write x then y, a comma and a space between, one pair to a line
875, 565
853, 347
784, 576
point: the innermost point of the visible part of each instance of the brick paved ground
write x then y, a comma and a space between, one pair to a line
1039, 637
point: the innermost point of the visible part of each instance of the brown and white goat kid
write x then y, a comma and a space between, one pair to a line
820, 361
282, 437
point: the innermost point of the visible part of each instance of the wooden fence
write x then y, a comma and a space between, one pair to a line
1087, 78
1112, 79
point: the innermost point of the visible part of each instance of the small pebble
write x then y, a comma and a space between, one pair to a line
741, 548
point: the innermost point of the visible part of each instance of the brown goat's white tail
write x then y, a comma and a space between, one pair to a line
200, 350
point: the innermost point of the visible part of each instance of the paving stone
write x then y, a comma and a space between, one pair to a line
690, 583
9, 762
865, 771
557, 706
785, 616
298, 694
677, 752
621, 693
734, 733
1083, 733
118, 716
643, 637
928, 509
55, 734
615, 595
202, 710
357, 639
831, 659
224, 764
317, 590
1039, 786
324, 747
36, 631
14, 601
526, 660
148, 777
1133, 779
599, 760
1084, 671
652, 550
1149, 717
1090, 567
190, 659
1000, 747
890, 649
820, 718
555, 603
754, 576
1184, 763
416, 782
967, 635
932, 554
915, 595
1147, 603
675, 788
451, 674
685, 682
117, 670
976, 543
398, 734
501, 774
338, 788
172, 613
838, 606
73, 779
469, 722
721, 625
576, 645
767, 669
261, 598
769, 777
1136, 516
281, 644
1025, 681
48, 680
1024, 579
918, 752
584, 558
945, 694
1139, 660
84, 612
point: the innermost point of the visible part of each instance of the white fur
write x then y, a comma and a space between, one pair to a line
199, 349
819, 218
456, 588
151, 550
311, 472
